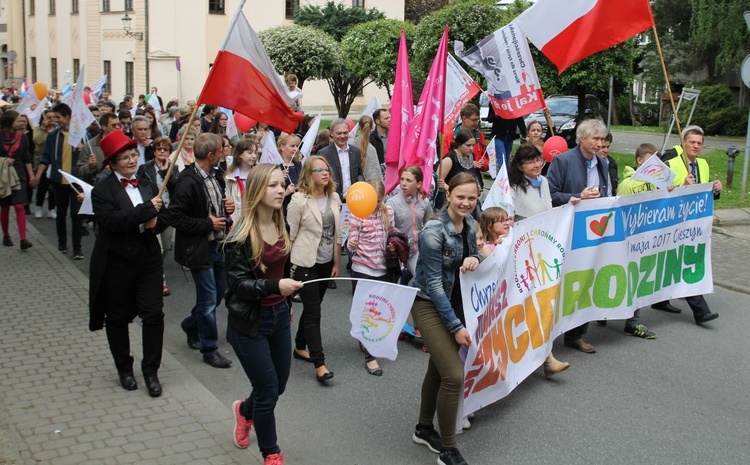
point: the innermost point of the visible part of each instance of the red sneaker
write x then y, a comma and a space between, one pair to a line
242, 427
275, 459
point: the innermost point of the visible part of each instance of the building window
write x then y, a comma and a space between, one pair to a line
52, 7
108, 71
128, 5
216, 6
74, 6
32, 7
129, 78
358, 3
105, 5
291, 8
33, 69
53, 78
76, 68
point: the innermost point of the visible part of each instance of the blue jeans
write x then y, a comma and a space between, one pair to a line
210, 287
503, 147
267, 360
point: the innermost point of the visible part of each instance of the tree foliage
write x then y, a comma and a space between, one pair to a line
307, 52
415, 10
717, 28
337, 20
371, 49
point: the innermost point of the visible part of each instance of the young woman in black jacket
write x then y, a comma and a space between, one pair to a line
257, 265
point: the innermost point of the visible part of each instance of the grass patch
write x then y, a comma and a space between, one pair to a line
717, 165
649, 129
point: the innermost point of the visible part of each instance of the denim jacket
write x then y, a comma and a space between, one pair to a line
440, 253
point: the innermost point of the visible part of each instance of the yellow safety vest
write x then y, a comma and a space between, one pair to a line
678, 166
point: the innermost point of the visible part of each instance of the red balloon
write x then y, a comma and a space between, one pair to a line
244, 123
87, 99
351, 124
553, 147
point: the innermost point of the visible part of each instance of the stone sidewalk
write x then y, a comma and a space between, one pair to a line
61, 398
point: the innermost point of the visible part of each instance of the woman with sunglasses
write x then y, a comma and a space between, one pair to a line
155, 171
314, 223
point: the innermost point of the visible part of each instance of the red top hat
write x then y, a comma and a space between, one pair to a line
114, 143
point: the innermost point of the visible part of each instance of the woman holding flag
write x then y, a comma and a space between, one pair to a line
447, 247
258, 289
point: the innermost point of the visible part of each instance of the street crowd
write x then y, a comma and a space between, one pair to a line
251, 234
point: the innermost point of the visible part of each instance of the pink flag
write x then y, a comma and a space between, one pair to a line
401, 108
420, 148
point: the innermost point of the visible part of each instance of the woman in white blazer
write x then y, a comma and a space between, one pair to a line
314, 223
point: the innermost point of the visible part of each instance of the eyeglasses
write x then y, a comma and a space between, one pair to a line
125, 157
473, 120
161, 149
505, 220
321, 170
535, 161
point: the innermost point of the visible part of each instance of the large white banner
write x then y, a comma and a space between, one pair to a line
601, 259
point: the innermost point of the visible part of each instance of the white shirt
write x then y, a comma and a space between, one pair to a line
141, 155
346, 179
134, 194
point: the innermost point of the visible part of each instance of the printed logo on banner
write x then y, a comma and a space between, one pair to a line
538, 260
378, 318
600, 226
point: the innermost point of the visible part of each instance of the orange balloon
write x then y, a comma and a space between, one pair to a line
41, 90
361, 199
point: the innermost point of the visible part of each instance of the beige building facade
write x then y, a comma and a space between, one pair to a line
53, 39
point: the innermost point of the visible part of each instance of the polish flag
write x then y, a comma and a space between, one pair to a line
569, 31
401, 108
243, 79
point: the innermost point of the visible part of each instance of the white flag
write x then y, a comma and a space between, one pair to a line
379, 311
656, 172
81, 117
153, 100
373, 105
492, 155
499, 194
31, 106
86, 207
96, 88
270, 153
308, 141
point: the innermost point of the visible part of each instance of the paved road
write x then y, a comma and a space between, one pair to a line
681, 398
627, 141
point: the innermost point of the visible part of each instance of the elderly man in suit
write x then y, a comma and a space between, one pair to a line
345, 159
126, 265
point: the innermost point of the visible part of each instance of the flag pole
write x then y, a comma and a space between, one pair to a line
671, 98
179, 149
441, 136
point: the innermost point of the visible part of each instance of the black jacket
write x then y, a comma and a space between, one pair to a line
377, 142
505, 127
245, 289
188, 214
148, 171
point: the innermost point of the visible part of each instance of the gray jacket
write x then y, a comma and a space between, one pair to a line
568, 176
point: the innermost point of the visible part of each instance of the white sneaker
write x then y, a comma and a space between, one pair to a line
38, 212
467, 423
52, 214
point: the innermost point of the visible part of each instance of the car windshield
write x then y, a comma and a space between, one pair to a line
563, 106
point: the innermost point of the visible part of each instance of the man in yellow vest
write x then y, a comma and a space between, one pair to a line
696, 171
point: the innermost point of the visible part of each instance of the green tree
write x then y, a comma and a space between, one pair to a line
415, 10
307, 52
371, 49
718, 29
336, 20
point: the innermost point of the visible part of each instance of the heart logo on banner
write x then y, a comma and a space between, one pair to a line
599, 227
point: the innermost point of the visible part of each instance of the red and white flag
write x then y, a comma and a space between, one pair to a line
243, 79
569, 31
505, 60
401, 108
420, 147
459, 89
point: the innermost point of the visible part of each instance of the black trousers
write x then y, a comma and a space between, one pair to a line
42, 189
134, 289
697, 304
575, 333
65, 197
308, 333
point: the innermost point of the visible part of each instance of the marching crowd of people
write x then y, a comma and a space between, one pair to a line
251, 235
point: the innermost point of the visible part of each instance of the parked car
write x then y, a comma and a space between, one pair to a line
564, 115
484, 110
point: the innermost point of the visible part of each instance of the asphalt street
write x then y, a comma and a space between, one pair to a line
679, 399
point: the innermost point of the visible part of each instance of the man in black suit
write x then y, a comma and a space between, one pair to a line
345, 159
126, 265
